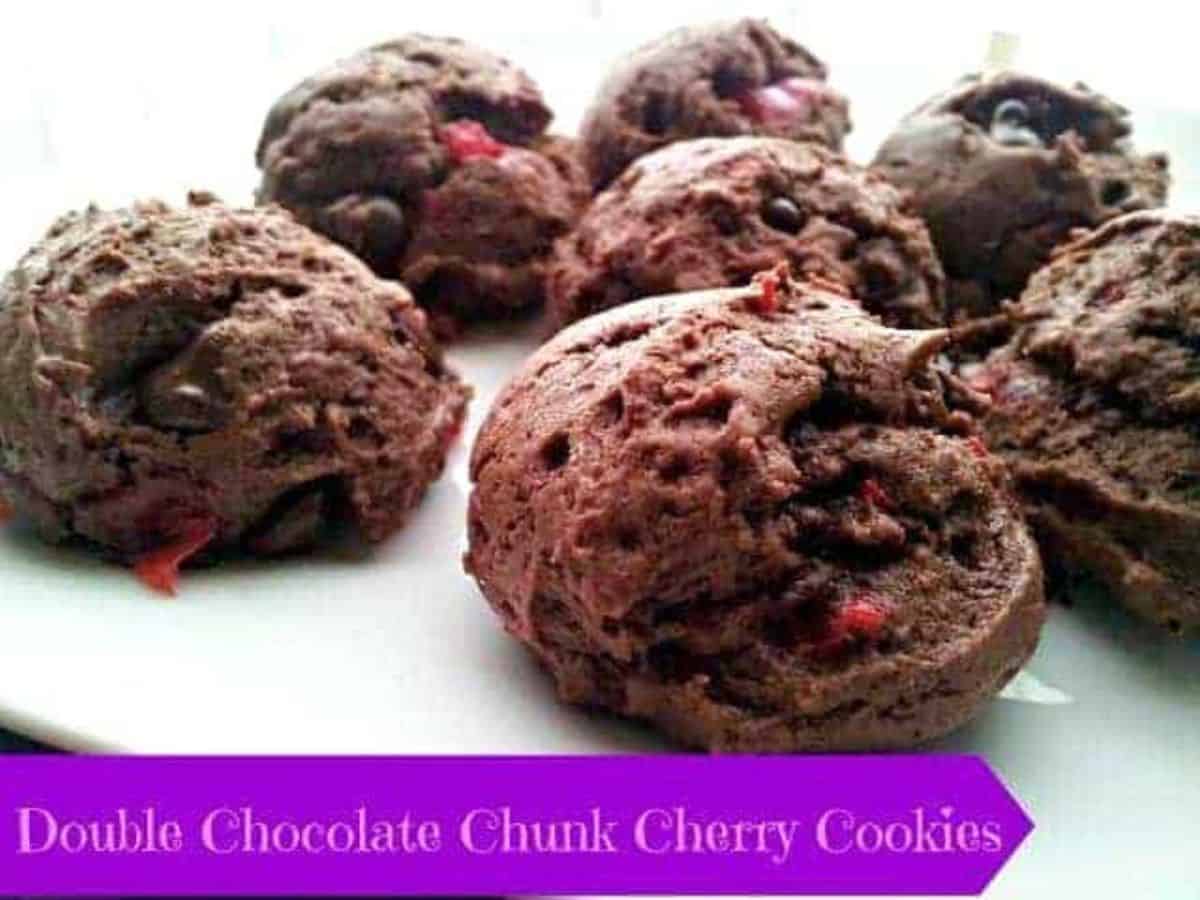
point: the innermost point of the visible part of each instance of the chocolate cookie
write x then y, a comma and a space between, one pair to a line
427, 157
1097, 407
719, 80
753, 517
1003, 167
213, 376
712, 212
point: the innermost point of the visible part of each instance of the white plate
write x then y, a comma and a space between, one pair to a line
397, 653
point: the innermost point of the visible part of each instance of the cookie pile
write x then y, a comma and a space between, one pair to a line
779, 476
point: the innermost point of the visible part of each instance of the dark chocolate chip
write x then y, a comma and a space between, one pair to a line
783, 214
1114, 192
181, 406
726, 220
1011, 112
1010, 125
371, 226
656, 116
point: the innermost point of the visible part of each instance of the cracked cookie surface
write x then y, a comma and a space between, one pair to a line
428, 158
216, 372
1003, 167
752, 517
1096, 405
718, 80
712, 212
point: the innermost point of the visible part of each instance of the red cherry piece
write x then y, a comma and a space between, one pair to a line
808, 89
159, 569
977, 447
6, 511
863, 615
785, 101
466, 140
873, 494
767, 298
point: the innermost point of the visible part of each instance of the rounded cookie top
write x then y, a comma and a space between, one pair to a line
1096, 405
446, 78
754, 517
711, 212
1004, 166
168, 368
379, 150
723, 79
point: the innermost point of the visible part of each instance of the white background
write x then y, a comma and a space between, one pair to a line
100, 100
108, 101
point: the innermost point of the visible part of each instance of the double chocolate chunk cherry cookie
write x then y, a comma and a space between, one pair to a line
1002, 168
195, 379
1097, 408
753, 517
718, 80
428, 158
711, 212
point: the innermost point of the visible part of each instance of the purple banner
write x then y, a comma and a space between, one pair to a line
527, 825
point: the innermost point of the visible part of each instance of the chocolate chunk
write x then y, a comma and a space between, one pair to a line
783, 214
